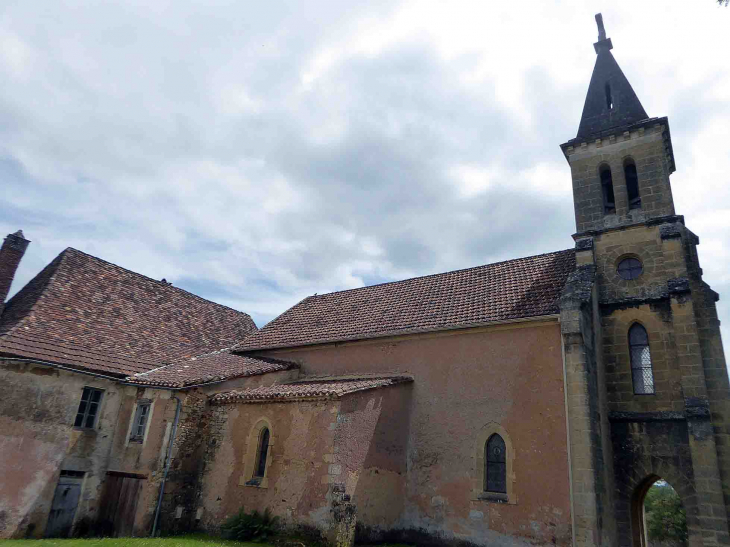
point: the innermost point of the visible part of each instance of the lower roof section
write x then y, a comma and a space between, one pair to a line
213, 367
310, 389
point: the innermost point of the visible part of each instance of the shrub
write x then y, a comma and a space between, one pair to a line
254, 526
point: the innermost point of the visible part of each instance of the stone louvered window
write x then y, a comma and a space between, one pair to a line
609, 201
495, 459
88, 408
632, 184
263, 452
641, 369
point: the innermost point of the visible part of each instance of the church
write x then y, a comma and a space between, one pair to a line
527, 402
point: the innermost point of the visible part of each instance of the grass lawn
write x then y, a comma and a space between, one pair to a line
178, 541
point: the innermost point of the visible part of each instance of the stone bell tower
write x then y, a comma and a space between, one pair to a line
647, 386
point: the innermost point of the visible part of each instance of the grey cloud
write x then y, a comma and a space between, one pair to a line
184, 144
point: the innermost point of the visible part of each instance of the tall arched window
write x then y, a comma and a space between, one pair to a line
632, 184
641, 371
262, 453
609, 202
495, 461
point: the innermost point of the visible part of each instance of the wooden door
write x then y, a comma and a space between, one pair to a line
119, 503
63, 508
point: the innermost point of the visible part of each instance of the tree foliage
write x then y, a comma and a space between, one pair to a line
666, 519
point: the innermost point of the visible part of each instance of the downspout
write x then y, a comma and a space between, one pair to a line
168, 460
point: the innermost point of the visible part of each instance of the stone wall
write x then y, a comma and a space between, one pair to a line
678, 432
646, 146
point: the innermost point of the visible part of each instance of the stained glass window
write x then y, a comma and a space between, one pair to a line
496, 465
641, 370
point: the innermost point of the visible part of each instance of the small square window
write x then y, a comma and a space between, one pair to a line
139, 425
88, 408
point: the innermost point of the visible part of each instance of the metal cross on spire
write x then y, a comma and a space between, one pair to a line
603, 44
601, 30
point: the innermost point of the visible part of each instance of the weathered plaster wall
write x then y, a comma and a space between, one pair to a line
145, 458
300, 458
465, 380
38, 405
200, 434
371, 450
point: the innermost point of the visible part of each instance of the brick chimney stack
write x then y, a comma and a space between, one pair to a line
11, 252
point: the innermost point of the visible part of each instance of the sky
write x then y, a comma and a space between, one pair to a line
256, 153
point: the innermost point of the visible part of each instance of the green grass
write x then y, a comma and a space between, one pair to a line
196, 540
178, 541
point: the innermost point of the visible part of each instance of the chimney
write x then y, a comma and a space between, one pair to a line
11, 252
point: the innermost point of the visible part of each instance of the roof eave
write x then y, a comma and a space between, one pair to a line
404, 332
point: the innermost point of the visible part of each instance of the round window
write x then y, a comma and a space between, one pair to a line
630, 268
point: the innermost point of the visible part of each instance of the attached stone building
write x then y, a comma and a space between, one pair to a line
527, 402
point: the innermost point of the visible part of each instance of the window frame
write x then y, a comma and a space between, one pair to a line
262, 453
496, 462
252, 458
134, 435
624, 260
635, 367
479, 484
85, 407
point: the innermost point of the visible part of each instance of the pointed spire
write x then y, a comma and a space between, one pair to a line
611, 102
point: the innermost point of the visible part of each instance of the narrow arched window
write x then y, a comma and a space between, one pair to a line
641, 370
496, 465
609, 97
609, 202
262, 452
632, 185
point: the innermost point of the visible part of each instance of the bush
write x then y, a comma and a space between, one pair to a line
255, 526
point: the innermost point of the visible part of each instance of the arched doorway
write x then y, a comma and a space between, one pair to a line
658, 515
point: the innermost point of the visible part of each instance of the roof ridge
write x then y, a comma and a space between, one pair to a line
169, 286
349, 378
435, 274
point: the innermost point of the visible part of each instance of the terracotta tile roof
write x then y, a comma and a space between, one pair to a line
333, 388
87, 313
213, 367
524, 287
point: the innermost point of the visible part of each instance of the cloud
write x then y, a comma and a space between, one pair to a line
256, 154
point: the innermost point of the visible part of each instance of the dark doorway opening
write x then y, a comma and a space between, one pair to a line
119, 502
